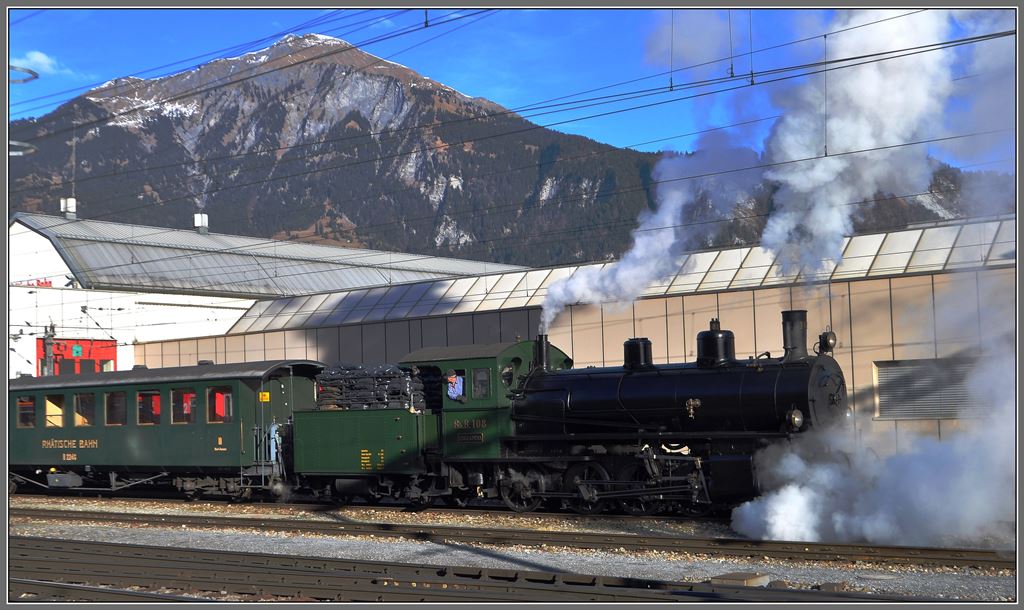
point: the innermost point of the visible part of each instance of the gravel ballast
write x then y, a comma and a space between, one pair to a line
942, 583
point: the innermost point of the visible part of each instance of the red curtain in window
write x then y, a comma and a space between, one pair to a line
218, 404
156, 405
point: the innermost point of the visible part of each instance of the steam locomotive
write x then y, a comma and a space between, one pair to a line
527, 427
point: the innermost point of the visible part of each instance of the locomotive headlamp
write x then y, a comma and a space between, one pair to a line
795, 418
826, 342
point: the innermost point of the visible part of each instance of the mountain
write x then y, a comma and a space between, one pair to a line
314, 139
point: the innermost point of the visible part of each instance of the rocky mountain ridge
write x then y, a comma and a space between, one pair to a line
314, 139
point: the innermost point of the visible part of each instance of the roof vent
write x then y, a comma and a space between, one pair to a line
201, 222
205, 362
138, 367
68, 205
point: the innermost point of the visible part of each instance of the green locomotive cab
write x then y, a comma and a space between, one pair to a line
474, 423
374, 448
217, 429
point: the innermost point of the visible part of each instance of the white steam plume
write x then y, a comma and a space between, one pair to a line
873, 105
957, 491
664, 233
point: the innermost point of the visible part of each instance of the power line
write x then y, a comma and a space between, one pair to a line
232, 49
214, 87
125, 90
26, 17
765, 81
685, 178
745, 169
861, 60
520, 110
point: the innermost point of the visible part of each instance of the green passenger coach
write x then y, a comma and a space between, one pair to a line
204, 429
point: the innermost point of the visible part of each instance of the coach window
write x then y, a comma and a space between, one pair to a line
26, 411
149, 407
55, 411
183, 405
117, 408
219, 405
481, 383
85, 409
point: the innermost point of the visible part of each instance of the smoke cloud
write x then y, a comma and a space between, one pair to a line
666, 232
958, 491
874, 105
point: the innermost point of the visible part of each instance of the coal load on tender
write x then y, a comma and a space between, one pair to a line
355, 387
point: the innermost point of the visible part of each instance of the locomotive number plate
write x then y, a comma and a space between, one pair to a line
469, 437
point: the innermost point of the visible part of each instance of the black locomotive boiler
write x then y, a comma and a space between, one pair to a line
683, 434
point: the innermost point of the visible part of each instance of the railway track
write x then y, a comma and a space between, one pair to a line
66, 570
924, 556
495, 508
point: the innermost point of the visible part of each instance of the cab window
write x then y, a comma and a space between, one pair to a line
26, 411
183, 405
85, 409
219, 405
55, 411
117, 408
148, 407
481, 383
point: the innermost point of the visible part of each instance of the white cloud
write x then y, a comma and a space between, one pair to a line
42, 63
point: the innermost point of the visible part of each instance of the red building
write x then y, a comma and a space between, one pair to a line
77, 356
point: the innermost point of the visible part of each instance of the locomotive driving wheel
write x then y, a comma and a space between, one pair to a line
636, 475
586, 479
520, 489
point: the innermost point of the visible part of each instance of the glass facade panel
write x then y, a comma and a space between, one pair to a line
454, 295
409, 300
431, 298
475, 295
324, 310
553, 276
692, 273
972, 245
1004, 248
858, 256
344, 308
726, 264
243, 323
933, 249
500, 292
387, 302
524, 290
283, 318
366, 305
895, 252
267, 316
754, 268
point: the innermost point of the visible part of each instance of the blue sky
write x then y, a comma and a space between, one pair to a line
513, 57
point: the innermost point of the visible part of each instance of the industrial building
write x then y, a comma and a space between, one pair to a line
898, 302
105, 287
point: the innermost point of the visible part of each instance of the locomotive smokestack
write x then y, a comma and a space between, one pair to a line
540, 353
794, 334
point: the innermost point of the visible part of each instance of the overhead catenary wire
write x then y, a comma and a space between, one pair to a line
545, 104
240, 47
615, 192
693, 177
491, 293
858, 60
206, 89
